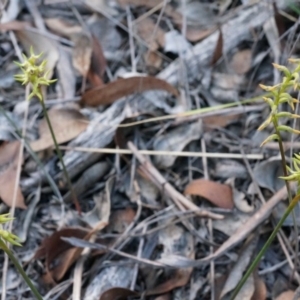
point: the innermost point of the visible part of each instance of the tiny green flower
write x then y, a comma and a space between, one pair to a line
10, 238
6, 235
33, 74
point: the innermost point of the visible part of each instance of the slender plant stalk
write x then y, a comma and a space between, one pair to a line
265, 247
20, 269
285, 172
61, 158
280, 95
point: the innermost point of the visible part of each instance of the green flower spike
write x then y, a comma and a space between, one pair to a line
6, 235
33, 74
10, 238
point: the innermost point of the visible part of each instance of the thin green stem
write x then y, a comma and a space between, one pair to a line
60, 157
285, 172
265, 247
20, 270
275, 231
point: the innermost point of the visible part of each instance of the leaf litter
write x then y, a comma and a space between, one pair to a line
150, 226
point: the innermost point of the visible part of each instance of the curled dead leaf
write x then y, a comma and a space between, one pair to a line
125, 87
9, 154
53, 248
217, 193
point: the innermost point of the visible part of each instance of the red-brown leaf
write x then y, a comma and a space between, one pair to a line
125, 87
217, 193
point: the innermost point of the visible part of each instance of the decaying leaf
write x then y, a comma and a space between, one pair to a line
62, 27
174, 239
118, 293
54, 248
267, 174
125, 87
60, 255
118, 276
260, 292
98, 63
9, 154
219, 48
241, 61
287, 295
175, 140
87, 180
67, 124
231, 223
120, 220
217, 193
146, 29
176, 43
82, 52
67, 78
99, 215
239, 198
211, 122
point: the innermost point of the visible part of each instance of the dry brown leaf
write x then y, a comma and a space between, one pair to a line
53, 248
9, 153
120, 220
211, 122
195, 34
179, 278
287, 295
118, 293
98, 64
164, 297
145, 29
14, 25
125, 87
171, 237
153, 61
217, 193
61, 27
241, 61
82, 52
260, 292
219, 48
67, 124
60, 255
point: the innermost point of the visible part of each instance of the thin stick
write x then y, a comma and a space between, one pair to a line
167, 153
